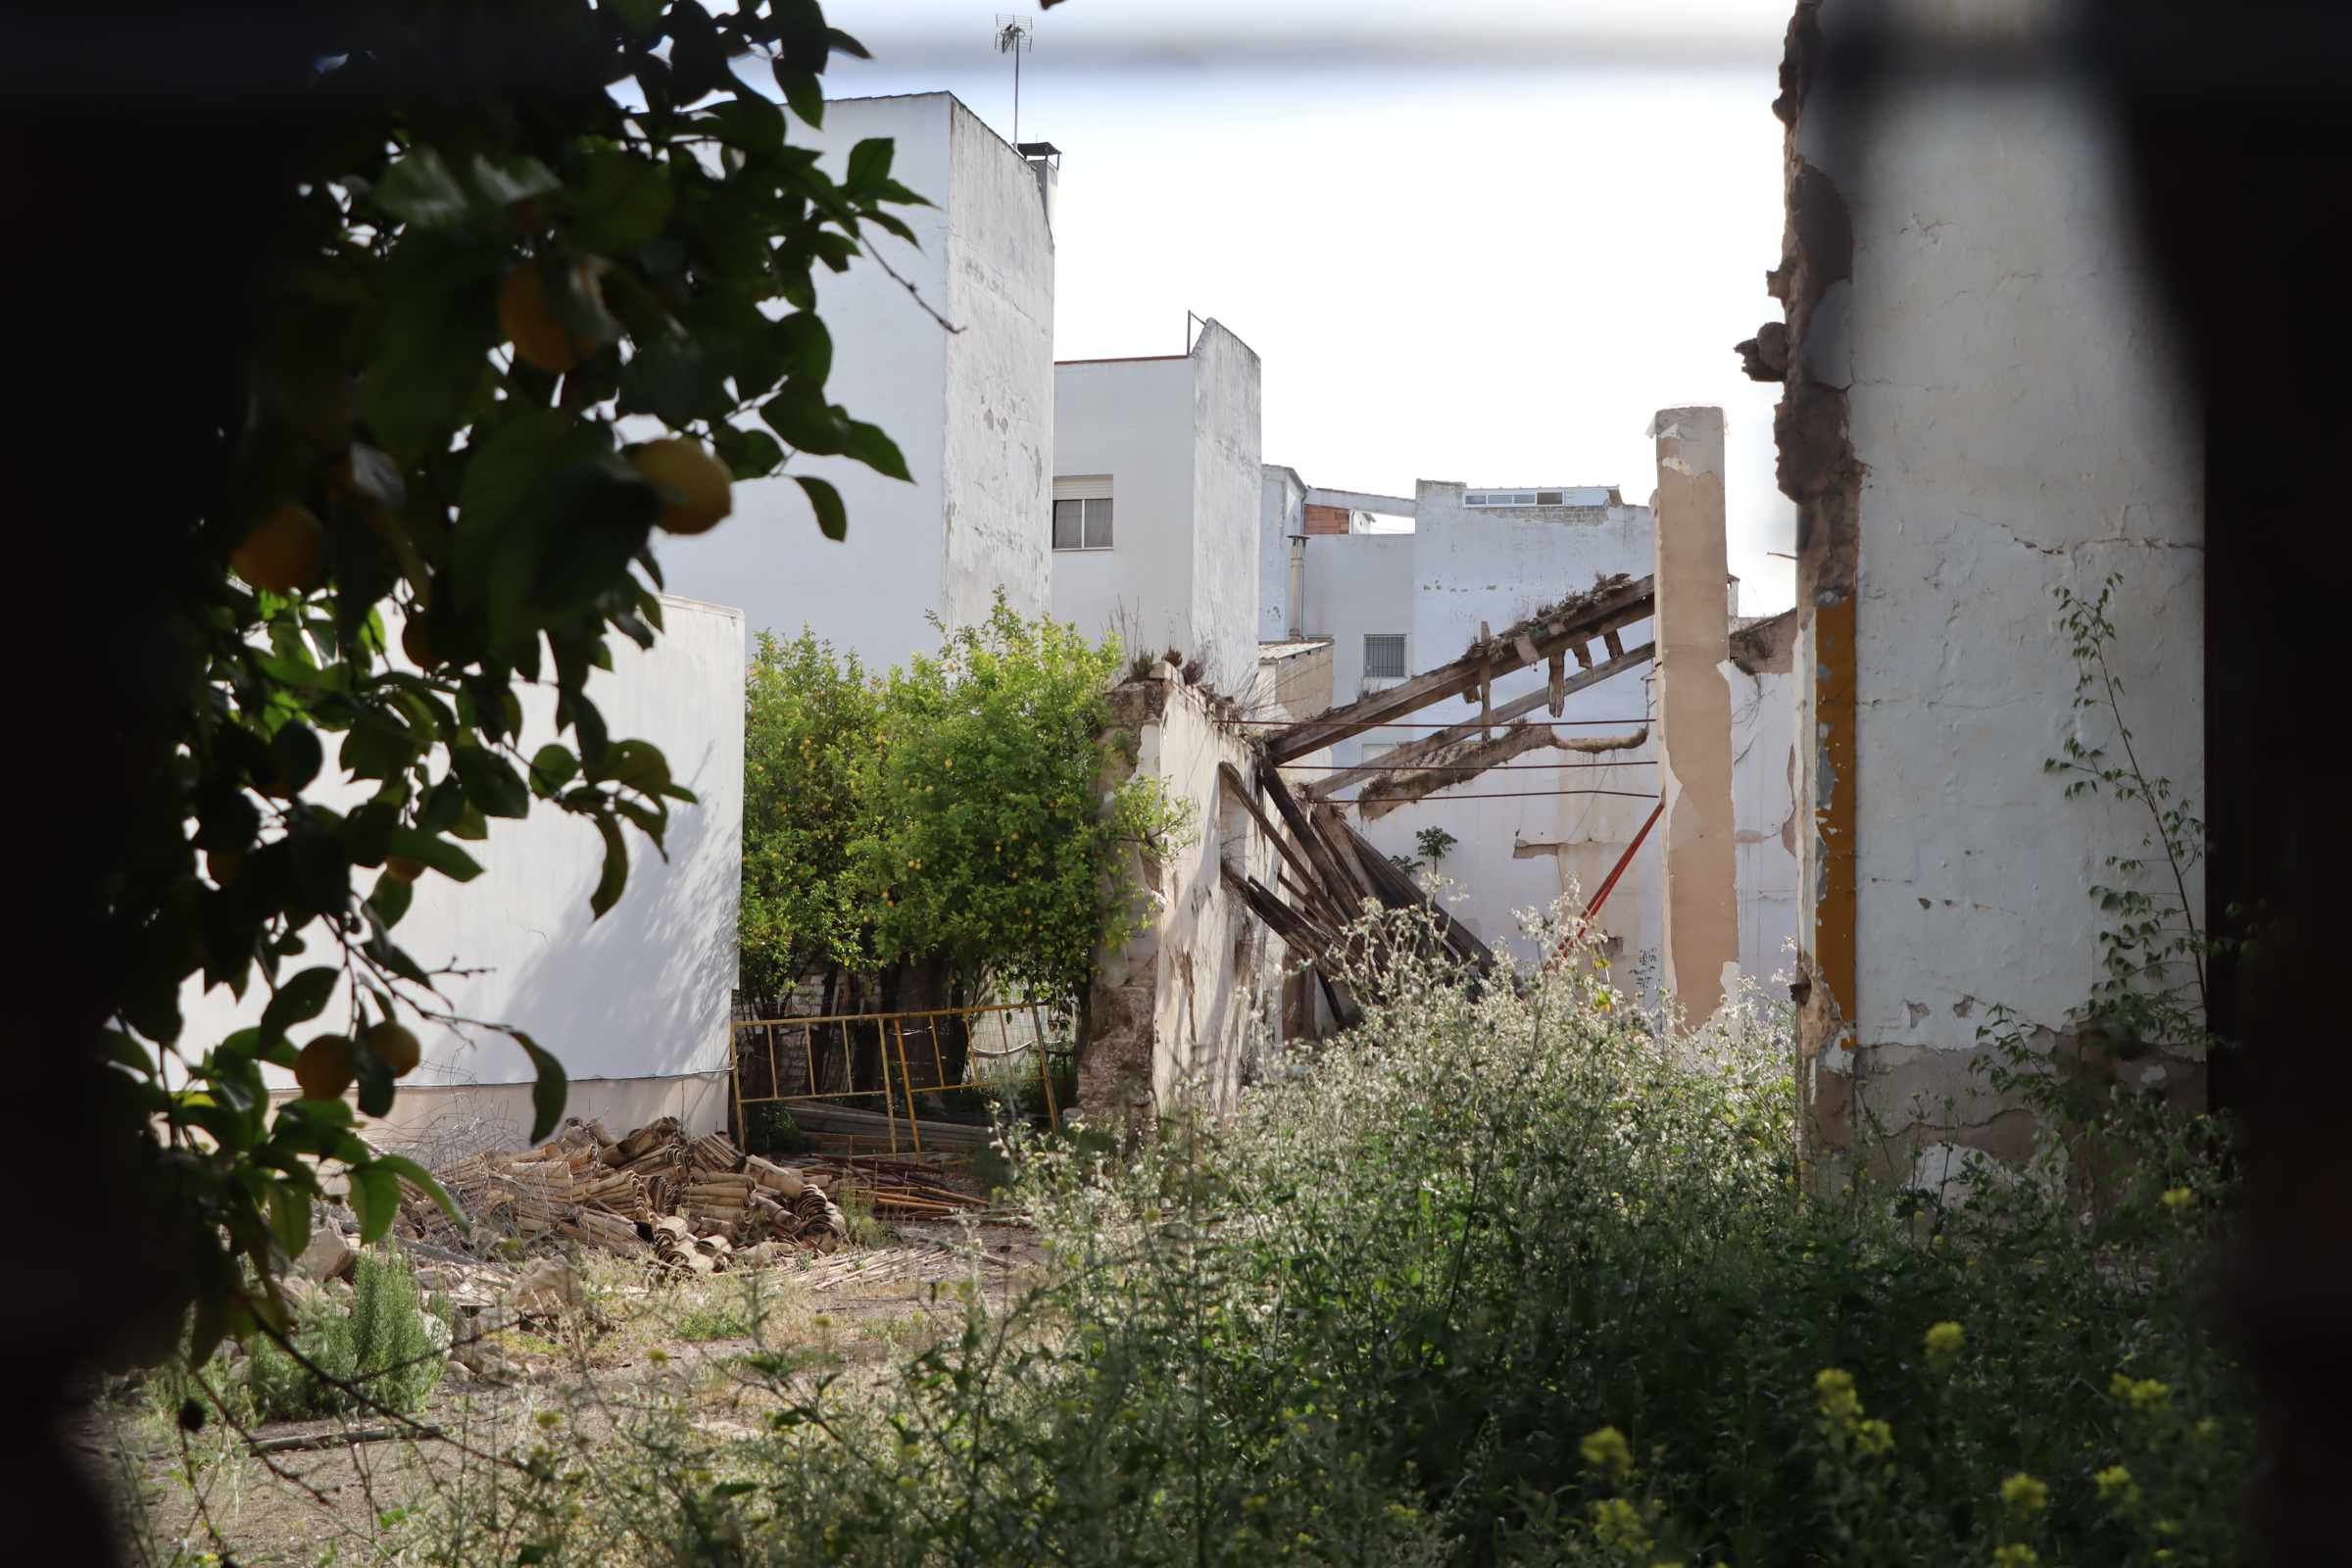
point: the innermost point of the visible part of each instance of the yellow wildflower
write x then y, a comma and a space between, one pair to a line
2145, 1393
1618, 1523
2024, 1496
1944, 1341
2018, 1555
1875, 1438
1840, 1406
2178, 1197
2116, 1487
1606, 1451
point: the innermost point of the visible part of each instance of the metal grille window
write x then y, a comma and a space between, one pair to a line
1082, 524
1383, 656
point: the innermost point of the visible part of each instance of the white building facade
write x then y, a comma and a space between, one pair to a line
972, 408
1157, 472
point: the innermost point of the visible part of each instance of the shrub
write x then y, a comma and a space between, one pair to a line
1515, 1275
377, 1336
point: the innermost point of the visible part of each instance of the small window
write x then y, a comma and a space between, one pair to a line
1082, 524
1383, 656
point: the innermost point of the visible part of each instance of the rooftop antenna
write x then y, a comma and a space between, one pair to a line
1012, 38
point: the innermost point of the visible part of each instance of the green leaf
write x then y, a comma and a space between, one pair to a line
804, 92
638, 764
552, 768
121, 1049
832, 517
303, 997
436, 851
375, 1083
375, 1198
616, 875
623, 203
870, 163
879, 452
391, 898
551, 1089
402, 1167
289, 1217
491, 782
419, 190
519, 181
440, 322
501, 469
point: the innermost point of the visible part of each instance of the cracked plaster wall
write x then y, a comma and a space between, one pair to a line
1177, 1010
1983, 405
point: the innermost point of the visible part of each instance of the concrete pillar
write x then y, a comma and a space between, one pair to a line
1700, 943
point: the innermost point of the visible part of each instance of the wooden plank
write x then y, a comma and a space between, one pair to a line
1341, 889
1596, 614
1232, 778
1404, 756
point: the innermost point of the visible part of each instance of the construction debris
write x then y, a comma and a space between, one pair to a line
692, 1204
689, 1205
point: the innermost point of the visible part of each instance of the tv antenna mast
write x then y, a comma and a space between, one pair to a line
1012, 38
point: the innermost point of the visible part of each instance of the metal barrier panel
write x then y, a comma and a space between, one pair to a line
893, 1054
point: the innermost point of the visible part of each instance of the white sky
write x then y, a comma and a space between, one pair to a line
1492, 270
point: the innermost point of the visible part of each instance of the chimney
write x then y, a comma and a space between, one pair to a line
1045, 162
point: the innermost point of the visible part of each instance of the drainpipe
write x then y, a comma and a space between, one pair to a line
1298, 585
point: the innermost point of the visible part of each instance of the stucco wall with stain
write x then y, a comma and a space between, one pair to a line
1983, 405
1178, 1012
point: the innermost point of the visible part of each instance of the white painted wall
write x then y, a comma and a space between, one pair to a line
2018, 411
972, 411
1131, 419
635, 1005
1179, 438
1228, 478
1282, 496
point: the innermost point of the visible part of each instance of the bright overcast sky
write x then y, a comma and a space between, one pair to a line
1494, 268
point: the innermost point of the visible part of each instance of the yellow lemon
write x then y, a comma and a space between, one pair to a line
326, 1068
694, 488
285, 553
397, 1045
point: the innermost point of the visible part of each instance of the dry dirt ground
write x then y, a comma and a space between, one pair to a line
209, 1498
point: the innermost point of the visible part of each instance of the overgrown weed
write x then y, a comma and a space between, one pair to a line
1514, 1273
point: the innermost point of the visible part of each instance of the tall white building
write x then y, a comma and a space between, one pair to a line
1157, 472
972, 410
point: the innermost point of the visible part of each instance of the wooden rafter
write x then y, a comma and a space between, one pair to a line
1566, 627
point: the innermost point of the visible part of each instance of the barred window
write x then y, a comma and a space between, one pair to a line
1383, 656
1082, 524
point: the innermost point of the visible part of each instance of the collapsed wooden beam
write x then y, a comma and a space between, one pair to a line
1601, 614
1467, 760
1414, 752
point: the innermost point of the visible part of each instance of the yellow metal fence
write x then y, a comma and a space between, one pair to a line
851, 1057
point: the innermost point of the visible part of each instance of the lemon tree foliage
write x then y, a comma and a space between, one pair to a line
503, 232
952, 808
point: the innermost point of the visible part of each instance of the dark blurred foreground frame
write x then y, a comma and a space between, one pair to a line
2234, 118
2237, 115
138, 177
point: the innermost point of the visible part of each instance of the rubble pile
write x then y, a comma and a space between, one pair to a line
691, 1205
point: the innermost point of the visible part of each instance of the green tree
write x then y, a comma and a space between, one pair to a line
964, 807
500, 231
810, 720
